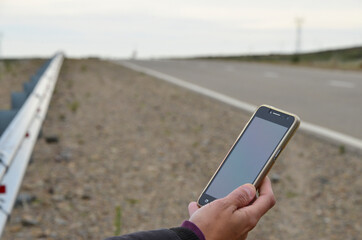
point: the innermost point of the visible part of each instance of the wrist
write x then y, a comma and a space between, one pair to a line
193, 227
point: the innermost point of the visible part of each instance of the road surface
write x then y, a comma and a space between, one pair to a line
328, 98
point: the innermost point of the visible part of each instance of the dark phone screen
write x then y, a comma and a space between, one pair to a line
248, 157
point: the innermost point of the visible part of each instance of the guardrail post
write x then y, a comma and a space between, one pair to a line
29, 87
6, 116
18, 99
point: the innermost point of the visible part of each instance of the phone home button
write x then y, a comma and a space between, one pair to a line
206, 200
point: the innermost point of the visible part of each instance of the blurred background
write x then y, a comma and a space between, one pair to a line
176, 28
123, 150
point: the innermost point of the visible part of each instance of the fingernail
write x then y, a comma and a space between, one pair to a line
250, 190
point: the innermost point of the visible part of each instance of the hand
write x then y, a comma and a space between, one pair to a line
232, 217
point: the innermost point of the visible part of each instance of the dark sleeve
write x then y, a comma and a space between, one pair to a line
179, 233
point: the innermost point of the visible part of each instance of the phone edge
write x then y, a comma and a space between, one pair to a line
283, 143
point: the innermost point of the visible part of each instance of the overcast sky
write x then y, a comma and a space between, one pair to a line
159, 28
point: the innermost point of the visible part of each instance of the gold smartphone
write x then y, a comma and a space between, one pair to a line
253, 153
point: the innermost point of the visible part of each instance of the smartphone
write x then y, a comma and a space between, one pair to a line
253, 153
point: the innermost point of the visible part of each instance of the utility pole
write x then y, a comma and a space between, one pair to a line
298, 40
134, 54
1, 36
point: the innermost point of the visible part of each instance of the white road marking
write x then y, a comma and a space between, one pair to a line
304, 126
344, 84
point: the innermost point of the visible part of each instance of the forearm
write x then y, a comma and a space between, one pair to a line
178, 233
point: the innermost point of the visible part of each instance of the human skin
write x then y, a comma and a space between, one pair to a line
235, 215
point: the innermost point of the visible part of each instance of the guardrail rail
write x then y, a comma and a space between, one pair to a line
19, 130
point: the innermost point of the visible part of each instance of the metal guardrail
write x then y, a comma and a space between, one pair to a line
18, 139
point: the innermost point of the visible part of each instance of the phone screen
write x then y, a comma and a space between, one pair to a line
247, 158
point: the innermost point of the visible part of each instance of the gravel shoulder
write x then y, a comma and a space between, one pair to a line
133, 151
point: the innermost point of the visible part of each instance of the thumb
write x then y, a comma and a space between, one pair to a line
242, 196
193, 208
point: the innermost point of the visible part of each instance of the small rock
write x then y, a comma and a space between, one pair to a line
64, 155
53, 235
83, 194
64, 207
58, 198
24, 198
15, 228
51, 190
323, 180
47, 232
37, 232
275, 178
52, 139
38, 184
29, 221
60, 221
76, 225
86, 196
92, 217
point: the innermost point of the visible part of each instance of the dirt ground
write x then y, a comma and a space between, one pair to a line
13, 73
133, 151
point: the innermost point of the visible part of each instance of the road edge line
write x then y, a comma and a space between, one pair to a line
304, 126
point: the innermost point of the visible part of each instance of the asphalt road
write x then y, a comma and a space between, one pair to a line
328, 98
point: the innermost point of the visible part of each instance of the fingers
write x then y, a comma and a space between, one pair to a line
193, 207
242, 196
264, 202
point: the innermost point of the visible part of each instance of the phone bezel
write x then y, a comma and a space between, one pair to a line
289, 120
